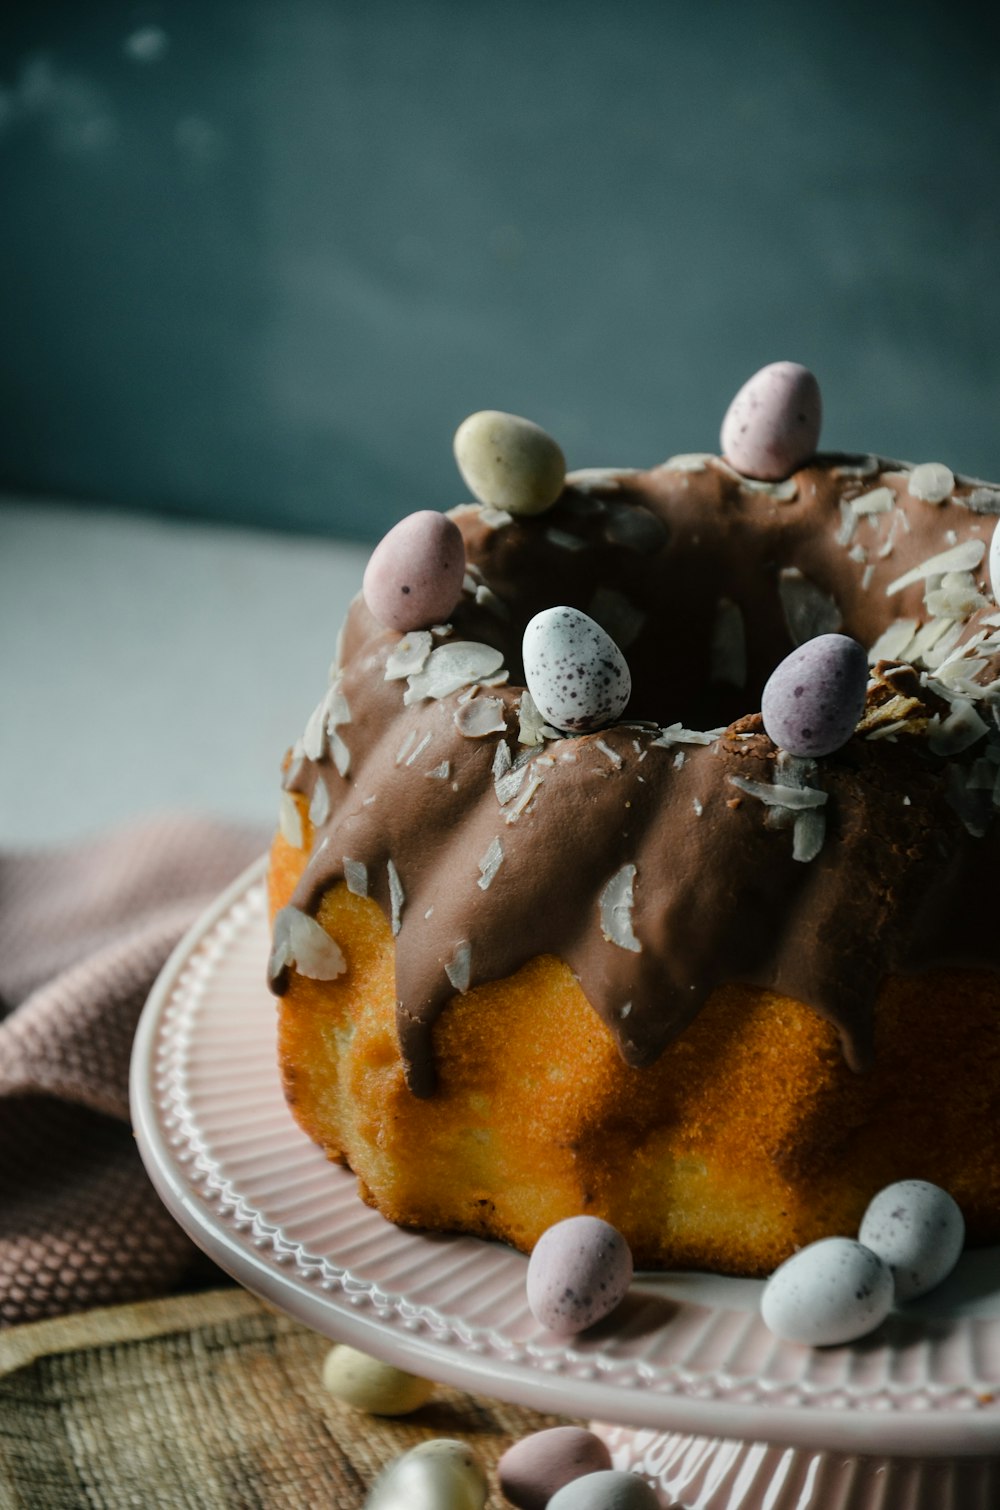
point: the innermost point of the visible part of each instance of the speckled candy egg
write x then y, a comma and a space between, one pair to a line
579, 1270
830, 1292
439, 1475
607, 1490
772, 425
508, 462
533, 1469
918, 1230
576, 674
368, 1384
813, 700
414, 576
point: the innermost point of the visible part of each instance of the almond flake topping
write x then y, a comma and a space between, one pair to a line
440, 772
525, 797
878, 501
617, 901
319, 804
931, 482
481, 716
532, 722
290, 821
300, 941
449, 668
963, 557
808, 610
611, 754
774, 795
459, 967
490, 864
676, 734
983, 501
409, 656
397, 896
356, 877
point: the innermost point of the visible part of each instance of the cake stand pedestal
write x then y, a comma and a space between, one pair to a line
684, 1382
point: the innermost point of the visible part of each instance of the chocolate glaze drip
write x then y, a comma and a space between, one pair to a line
717, 895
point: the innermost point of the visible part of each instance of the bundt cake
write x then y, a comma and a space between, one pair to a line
654, 965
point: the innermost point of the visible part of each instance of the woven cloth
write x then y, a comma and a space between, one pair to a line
206, 1402
83, 934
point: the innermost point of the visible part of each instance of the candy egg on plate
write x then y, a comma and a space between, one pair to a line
832, 1291
918, 1230
772, 425
414, 575
577, 676
579, 1270
813, 699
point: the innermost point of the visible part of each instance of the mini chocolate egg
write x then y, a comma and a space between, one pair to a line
772, 425
414, 575
368, 1384
533, 1469
442, 1474
608, 1490
995, 563
832, 1291
918, 1230
579, 1270
577, 676
509, 463
813, 699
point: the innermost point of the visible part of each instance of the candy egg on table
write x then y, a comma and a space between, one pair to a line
442, 1474
772, 425
578, 678
508, 462
607, 1490
578, 1272
918, 1230
368, 1384
813, 699
832, 1291
414, 575
533, 1469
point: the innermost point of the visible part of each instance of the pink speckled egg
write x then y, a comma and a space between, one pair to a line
414, 577
579, 1270
772, 425
533, 1469
813, 699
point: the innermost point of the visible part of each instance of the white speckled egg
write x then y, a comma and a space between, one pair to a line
576, 674
414, 575
995, 563
533, 1469
368, 1384
918, 1230
439, 1475
579, 1270
607, 1490
830, 1292
772, 425
508, 462
813, 699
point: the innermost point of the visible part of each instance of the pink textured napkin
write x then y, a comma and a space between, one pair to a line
83, 934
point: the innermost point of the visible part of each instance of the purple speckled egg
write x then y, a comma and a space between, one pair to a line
414, 576
813, 699
533, 1469
772, 425
579, 1270
918, 1230
577, 676
608, 1490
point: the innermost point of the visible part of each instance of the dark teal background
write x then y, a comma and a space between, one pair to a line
263, 274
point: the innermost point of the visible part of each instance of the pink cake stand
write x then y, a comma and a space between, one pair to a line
685, 1382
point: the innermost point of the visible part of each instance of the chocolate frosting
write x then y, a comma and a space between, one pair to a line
661, 863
